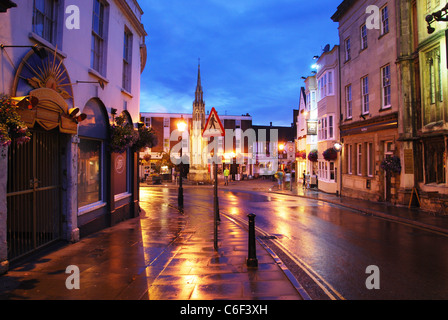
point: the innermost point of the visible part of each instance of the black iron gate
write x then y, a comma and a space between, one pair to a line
33, 193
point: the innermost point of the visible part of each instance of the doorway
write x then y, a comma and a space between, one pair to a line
33, 193
388, 152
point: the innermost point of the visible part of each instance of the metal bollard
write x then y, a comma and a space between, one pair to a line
252, 261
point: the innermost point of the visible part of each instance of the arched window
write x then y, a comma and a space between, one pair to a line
92, 132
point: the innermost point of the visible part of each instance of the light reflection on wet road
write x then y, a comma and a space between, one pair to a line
339, 244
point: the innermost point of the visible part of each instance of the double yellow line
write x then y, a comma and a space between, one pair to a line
331, 292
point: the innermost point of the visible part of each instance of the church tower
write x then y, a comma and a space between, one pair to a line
198, 172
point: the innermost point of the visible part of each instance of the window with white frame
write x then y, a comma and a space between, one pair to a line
359, 159
348, 101
347, 49
384, 20
326, 170
127, 60
349, 158
45, 16
326, 127
330, 127
363, 37
365, 94
385, 84
98, 36
325, 85
370, 159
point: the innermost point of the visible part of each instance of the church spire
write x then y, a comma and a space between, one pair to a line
199, 93
199, 104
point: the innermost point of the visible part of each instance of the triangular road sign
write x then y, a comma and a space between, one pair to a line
213, 126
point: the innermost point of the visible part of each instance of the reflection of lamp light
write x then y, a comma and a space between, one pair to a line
181, 125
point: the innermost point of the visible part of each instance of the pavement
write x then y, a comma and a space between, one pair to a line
146, 258
164, 254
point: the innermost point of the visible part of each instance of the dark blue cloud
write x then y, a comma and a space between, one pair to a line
253, 54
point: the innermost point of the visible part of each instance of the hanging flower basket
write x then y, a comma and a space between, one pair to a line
122, 135
391, 164
301, 154
146, 138
11, 125
313, 155
330, 154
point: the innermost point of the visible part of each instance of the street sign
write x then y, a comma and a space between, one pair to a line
213, 126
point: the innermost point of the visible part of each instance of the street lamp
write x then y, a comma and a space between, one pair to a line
181, 126
338, 148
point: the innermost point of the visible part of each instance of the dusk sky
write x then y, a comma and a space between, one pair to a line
253, 54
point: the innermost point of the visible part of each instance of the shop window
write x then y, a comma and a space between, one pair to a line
89, 173
433, 87
93, 133
359, 159
370, 159
435, 159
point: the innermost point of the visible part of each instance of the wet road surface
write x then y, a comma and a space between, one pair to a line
335, 245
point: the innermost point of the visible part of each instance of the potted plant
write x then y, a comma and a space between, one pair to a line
330, 154
122, 135
146, 138
391, 164
313, 155
301, 154
11, 125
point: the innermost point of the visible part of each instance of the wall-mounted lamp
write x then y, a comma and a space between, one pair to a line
27, 102
76, 116
7, 4
440, 15
101, 83
40, 51
337, 147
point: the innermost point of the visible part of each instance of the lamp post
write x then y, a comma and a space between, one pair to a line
181, 125
215, 201
338, 148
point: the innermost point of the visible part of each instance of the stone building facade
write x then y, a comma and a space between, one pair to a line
369, 99
65, 183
